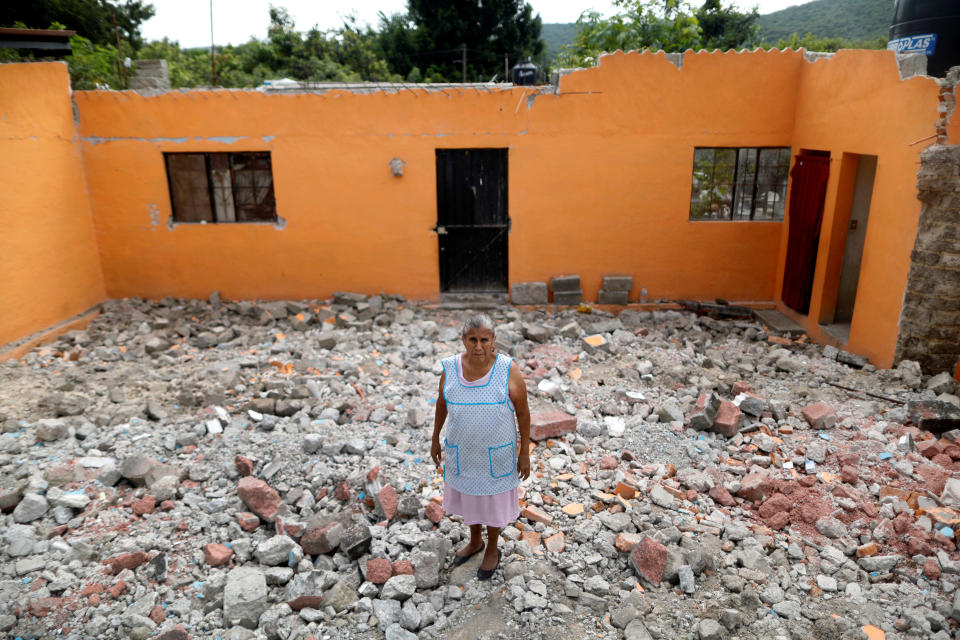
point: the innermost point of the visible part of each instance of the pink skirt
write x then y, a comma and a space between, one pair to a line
497, 510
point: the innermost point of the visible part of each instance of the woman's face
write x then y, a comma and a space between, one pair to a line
479, 345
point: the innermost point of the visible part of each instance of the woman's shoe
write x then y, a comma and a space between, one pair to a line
486, 574
459, 560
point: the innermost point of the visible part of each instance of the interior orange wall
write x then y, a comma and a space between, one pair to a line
856, 103
599, 181
51, 268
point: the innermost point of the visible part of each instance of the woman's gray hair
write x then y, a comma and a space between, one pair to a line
477, 321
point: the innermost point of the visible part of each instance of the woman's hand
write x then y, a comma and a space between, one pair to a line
436, 453
523, 465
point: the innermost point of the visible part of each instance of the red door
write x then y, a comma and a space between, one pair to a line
809, 189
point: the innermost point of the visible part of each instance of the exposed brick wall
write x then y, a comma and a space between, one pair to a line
930, 319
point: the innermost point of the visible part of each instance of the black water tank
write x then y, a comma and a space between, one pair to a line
524, 73
928, 26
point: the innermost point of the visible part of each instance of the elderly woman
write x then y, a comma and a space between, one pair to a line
483, 401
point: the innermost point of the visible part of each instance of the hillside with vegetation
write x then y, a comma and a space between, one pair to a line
847, 19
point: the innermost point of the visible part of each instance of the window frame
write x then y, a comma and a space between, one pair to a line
741, 189
215, 214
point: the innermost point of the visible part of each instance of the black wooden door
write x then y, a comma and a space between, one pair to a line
472, 220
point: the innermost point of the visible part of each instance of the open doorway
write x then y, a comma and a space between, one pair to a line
837, 314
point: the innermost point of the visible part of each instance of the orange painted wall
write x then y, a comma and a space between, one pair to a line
855, 103
51, 268
599, 181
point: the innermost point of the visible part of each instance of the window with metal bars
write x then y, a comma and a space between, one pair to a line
748, 183
221, 187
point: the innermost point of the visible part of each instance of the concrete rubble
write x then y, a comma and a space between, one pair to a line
240, 470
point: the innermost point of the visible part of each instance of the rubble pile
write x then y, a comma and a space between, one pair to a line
238, 470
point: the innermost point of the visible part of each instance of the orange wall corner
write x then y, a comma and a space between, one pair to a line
52, 265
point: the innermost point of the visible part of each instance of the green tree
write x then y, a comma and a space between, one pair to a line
92, 19
489, 29
726, 28
670, 25
811, 42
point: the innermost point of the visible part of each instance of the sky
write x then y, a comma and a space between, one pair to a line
235, 21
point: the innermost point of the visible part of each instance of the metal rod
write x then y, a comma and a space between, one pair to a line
213, 63
872, 395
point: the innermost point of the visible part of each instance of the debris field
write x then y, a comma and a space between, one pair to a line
238, 470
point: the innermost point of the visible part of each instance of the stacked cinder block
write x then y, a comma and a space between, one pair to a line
528, 293
151, 74
615, 289
566, 290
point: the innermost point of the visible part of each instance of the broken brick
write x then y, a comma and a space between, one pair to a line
387, 502
248, 521
534, 514
532, 538
648, 559
729, 419
434, 512
378, 571
402, 568
126, 561
551, 424
144, 505
259, 497
556, 543
216, 554
244, 466
820, 415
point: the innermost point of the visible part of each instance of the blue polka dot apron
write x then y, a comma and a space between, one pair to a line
480, 443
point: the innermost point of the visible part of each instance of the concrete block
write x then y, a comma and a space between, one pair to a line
618, 283
528, 293
605, 296
568, 297
565, 283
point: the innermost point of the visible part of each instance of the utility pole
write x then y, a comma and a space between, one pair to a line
213, 62
506, 67
463, 63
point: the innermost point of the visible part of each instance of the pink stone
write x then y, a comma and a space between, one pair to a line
551, 424
387, 502
608, 462
931, 569
126, 561
648, 559
721, 496
534, 514
820, 415
929, 448
216, 554
402, 568
342, 492
243, 465
144, 505
556, 543
379, 570
729, 419
434, 512
248, 521
775, 504
849, 474
741, 387
778, 520
755, 487
158, 615
259, 497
